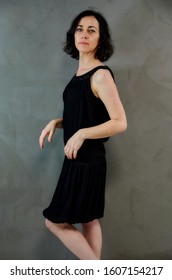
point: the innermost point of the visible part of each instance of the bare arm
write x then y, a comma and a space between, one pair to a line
104, 88
49, 131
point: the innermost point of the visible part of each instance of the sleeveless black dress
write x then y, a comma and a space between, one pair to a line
80, 192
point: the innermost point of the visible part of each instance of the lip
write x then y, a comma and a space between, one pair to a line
83, 43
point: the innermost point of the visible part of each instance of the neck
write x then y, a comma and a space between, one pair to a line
88, 61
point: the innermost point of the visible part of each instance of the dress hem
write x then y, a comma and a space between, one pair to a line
73, 221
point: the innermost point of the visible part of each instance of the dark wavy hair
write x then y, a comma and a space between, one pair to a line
105, 49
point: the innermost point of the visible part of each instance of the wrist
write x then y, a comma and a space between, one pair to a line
55, 122
82, 133
58, 122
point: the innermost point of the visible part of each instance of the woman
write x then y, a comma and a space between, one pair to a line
92, 113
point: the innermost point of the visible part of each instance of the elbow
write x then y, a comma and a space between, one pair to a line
124, 126
120, 126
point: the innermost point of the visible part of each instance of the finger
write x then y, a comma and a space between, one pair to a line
75, 153
50, 136
41, 142
66, 149
42, 138
70, 153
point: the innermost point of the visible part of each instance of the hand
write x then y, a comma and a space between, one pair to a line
48, 131
73, 145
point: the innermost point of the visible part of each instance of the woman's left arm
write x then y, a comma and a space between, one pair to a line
104, 88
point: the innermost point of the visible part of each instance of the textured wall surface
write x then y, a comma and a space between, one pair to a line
33, 73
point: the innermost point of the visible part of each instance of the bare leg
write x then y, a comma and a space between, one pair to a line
93, 234
73, 239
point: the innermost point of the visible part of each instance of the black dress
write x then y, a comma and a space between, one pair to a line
80, 192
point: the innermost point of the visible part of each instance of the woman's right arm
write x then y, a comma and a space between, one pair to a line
49, 131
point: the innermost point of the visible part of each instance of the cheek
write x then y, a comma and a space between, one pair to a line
97, 37
96, 41
75, 39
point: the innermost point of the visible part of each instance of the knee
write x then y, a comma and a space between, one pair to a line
51, 226
48, 224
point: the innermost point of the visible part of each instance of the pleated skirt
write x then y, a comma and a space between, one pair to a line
80, 193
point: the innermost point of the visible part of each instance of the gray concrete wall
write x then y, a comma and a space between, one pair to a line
33, 73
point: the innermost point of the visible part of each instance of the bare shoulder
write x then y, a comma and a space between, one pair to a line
102, 76
103, 84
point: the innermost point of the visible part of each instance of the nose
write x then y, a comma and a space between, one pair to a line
84, 35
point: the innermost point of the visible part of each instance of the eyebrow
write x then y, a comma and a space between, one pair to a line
91, 26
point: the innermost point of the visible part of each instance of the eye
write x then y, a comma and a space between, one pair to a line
79, 29
91, 30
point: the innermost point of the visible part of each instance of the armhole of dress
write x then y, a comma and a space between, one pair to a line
110, 72
100, 67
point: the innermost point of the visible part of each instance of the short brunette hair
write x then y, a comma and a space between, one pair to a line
105, 49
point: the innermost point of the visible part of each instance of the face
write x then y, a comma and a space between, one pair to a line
87, 35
